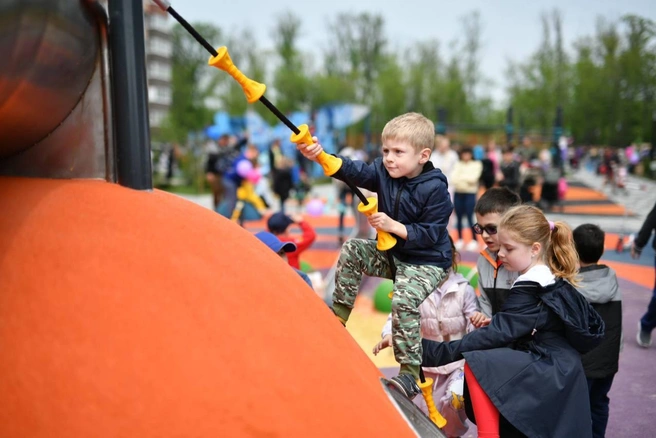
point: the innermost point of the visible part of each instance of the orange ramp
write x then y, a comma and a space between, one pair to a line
127, 313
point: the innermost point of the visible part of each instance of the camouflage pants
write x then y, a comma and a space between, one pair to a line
412, 284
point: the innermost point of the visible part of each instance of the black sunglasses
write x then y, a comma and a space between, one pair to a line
489, 229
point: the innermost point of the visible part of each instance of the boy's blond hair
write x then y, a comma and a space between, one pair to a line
414, 128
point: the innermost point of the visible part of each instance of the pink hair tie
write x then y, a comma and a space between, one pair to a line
551, 225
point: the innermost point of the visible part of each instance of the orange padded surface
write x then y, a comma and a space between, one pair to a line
136, 314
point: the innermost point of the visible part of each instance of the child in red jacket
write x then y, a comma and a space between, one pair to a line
278, 224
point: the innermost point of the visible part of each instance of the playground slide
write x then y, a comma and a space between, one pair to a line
54, 104
105, 328
49, 50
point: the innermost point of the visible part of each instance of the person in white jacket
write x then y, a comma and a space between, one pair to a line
465, 179
444, 158
445, 316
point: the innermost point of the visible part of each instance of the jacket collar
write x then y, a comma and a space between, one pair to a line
592, 268
428, 171
491, 258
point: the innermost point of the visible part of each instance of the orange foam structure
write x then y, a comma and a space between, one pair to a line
138, 314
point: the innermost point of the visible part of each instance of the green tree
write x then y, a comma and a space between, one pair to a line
608, 49
424, 82
192, 83
357, 50
389, 100
472, 31
585, 114
454, 95
539, 85
290, 80
326, 89
638, 85
247, 57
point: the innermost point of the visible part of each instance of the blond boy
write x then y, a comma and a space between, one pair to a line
414, 205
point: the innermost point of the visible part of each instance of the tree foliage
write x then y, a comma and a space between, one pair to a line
290, 78
606, 88
605, 83
192, 83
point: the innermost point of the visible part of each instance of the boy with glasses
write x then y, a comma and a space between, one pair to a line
494, 281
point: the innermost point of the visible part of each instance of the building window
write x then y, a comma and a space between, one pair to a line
160, 46
159, 70
158, 22
156, 117
159, 94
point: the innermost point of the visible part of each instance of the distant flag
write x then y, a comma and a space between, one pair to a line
221, 126
260, 133
345, 115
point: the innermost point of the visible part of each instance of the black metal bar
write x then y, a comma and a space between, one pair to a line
441, 127
509, 126
129, 90
267, 103
557, 132
192, 31
652, 153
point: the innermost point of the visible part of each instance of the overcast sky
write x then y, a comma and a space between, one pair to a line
511, 28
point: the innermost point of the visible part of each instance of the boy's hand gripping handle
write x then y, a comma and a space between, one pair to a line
329, 163
385, 240
254, 91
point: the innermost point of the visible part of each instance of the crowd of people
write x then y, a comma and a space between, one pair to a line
614, 164
547, 318
233, 171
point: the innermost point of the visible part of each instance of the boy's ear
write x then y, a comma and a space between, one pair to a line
424, 155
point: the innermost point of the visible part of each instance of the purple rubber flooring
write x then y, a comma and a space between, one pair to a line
633, 395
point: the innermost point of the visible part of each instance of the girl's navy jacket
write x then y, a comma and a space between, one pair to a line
528, 359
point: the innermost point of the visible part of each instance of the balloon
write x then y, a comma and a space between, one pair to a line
214, 132
244, 167
382, 301
253, 176
471, 274
315, 207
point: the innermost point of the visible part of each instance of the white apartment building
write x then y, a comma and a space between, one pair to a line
159, 49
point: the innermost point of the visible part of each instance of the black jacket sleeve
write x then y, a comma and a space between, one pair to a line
517, 320
362, 174
647, 228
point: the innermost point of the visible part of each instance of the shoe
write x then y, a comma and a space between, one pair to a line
459, 244
643, 337
406, 384
472, 246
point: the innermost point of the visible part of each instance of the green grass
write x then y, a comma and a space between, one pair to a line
184, 190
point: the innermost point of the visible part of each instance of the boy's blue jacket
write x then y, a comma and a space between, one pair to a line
422, 204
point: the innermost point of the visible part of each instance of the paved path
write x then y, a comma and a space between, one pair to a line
639, 198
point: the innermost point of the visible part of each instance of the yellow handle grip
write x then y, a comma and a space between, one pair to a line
427, 391
329, 163
303, 135
253, 90
385, 240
